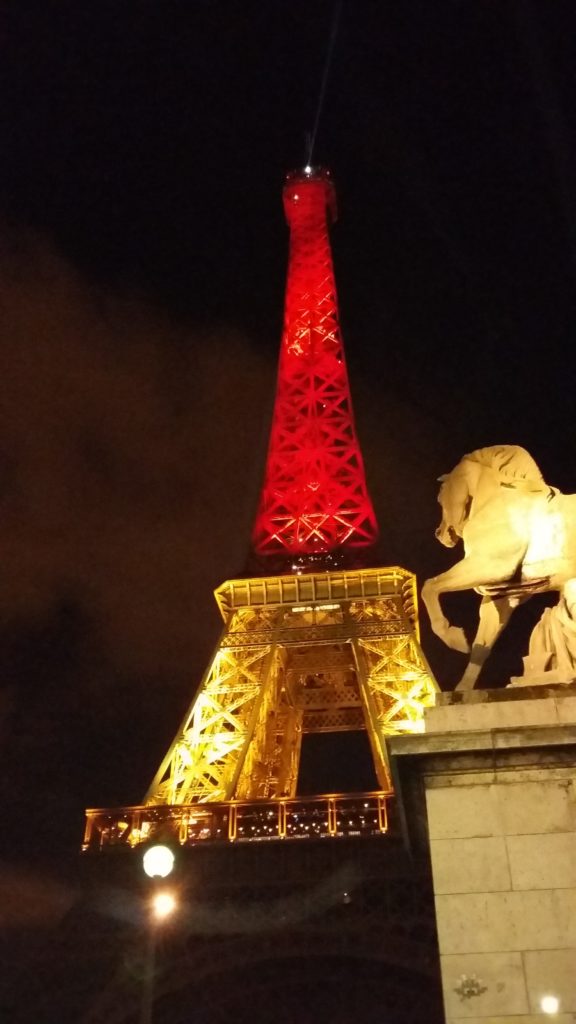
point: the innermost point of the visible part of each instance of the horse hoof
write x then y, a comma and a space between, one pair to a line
464, 684
456, 639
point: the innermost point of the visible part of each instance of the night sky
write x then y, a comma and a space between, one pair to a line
142, 265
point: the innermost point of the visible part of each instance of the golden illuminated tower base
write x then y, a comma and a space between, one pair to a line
318, 652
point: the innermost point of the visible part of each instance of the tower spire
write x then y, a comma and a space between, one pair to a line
314, 500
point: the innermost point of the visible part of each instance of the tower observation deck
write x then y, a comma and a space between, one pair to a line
318, 641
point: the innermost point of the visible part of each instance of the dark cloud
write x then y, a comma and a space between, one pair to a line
28, 900
131, 455
110, 419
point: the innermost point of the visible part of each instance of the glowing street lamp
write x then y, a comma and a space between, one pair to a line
158, 863
163, 905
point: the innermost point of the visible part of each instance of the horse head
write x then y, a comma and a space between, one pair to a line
454, 498
482, 476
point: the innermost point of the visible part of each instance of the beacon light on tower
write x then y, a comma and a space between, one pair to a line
314, 500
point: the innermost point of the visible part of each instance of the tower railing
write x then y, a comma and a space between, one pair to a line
333, 816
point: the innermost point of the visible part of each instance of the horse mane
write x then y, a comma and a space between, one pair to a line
509, 460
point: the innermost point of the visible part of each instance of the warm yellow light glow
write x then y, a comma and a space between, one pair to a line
419, 726
353, 631
163, 905
318, 608
547, 536
550, 1004
158, 861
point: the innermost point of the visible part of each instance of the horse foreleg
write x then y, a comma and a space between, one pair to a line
495, 614
469, 574
461, 576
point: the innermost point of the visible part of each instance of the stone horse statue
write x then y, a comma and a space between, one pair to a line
519, 539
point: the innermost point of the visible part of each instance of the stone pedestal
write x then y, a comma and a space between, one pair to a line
491, 789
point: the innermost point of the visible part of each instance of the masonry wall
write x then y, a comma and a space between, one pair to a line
501, 814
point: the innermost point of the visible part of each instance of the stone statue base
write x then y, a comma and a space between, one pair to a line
544, 703
553, 677
536, 673
488, 791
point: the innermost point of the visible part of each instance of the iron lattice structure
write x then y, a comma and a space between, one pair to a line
314, 499
318, 652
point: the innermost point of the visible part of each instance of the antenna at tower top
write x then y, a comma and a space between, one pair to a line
311, 136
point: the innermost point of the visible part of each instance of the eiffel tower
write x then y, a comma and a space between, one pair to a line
316, 640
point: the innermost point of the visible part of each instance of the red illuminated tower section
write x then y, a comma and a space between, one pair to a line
314, 500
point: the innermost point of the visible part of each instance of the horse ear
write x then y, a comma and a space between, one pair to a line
442, 478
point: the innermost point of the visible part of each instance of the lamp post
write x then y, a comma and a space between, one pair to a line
158, 863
